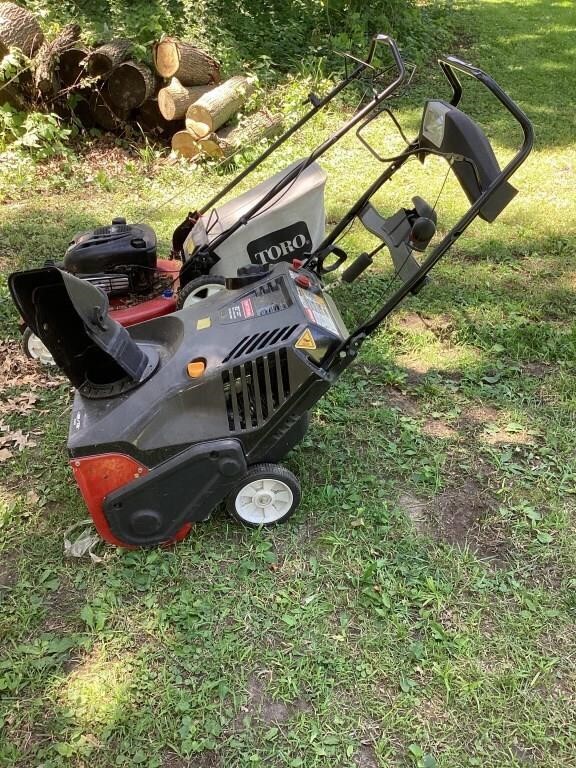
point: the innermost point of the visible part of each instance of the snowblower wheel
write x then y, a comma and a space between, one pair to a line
35, 349
267, 495
199, 289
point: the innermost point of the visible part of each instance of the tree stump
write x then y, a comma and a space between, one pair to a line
20, 29
175, 98
130, 85
103, 60
185, 144
191, 65
254, 128
215, 108
71, 65
46, 79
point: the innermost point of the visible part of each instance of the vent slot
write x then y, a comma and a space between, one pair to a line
259, 341
254, 390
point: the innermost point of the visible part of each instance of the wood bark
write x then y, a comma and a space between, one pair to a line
185, 144
175, 98
71, 65
150, 120
19, 28
215, 108
103, 60
187, 62
254, 128
105, 115
130, 84
46, 78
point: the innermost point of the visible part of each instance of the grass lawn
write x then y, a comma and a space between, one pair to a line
419, 608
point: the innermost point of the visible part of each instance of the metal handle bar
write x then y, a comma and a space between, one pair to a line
354, 75
451, 64
391, 43
348, 349
286, 180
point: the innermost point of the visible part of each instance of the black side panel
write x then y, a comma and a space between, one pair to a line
183, 489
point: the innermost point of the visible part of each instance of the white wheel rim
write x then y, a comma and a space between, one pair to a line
201, 293
38, 350
264, 501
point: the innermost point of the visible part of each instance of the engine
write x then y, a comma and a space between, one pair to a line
119, 258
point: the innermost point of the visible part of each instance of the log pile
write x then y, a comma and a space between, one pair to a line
181, 97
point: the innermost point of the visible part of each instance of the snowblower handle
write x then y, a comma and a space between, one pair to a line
348, 349
391, 43
451, 64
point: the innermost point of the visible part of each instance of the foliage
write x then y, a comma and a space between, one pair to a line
283, 32
39, 134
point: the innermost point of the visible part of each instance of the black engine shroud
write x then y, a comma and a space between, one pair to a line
115, 249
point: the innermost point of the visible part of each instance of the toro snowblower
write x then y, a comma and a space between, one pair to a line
180, 413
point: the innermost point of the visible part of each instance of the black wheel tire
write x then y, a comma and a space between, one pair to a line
286, 485
29, 340
196, 286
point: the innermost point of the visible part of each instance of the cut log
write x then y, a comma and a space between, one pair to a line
20, 29
71, 65
185, 144
150, 120
130, 84
215, 108
103, 60
175, 98
254, 128
46, 80
105, 115
191, 65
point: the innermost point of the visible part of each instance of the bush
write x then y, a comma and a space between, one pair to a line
282, 33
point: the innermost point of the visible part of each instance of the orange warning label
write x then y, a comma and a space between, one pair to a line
306, 341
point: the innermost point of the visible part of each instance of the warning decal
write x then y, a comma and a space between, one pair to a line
306, 341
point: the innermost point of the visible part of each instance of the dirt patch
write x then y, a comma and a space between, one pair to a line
457, 516
440, 325
481, 415
264, 709
439, 428
62, 609
8, 569
501, 437
400, 402
411, 322
366, 757
536, 369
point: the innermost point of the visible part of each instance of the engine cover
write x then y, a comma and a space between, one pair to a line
121, 248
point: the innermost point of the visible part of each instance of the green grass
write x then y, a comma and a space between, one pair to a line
419, 608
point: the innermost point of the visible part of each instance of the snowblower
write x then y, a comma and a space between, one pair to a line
177, 414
